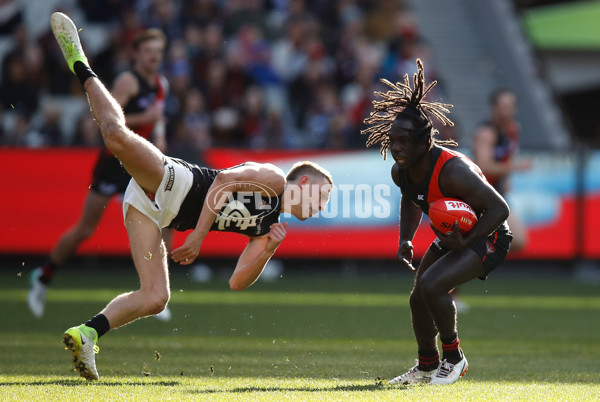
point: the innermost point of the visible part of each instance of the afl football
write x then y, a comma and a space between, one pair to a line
445, 211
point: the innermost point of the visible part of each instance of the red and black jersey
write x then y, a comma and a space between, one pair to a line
505, 147
492, 249
146, 97
428, 190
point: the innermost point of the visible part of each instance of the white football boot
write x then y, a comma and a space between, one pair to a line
81, 342
449, 373
414, 376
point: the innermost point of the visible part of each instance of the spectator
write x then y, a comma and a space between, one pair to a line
16, 90
48, 128
11, 16
192, 133
87, 132
103, 11
166, 16
254, 119
237, 52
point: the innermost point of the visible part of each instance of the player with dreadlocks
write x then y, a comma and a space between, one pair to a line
425, 171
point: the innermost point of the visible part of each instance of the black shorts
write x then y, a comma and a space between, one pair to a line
492, 250
109, 177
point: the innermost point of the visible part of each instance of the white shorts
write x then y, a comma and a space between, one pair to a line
175, 185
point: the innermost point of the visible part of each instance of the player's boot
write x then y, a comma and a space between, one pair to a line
449, 373
81, 341
164, 315
36, 297
414, 376
66, 35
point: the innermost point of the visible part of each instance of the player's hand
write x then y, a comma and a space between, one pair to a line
276, 236
405, 254
187, 253
453, 240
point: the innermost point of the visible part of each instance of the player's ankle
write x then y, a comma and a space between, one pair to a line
83, 72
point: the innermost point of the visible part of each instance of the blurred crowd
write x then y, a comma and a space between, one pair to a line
257, 74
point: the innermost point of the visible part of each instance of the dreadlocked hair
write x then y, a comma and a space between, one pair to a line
402, 99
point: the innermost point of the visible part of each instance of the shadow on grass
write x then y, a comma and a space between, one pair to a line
338, 388
79, 382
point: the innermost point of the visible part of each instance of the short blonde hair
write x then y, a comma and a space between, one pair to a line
307, 168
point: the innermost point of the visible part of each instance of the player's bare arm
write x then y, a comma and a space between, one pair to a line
410, 218
460, 180
255, 256
125, 87
410, 214
266, 179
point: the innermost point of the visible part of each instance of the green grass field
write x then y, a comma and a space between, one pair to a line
306, 336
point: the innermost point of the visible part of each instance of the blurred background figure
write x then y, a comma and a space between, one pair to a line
87, 132
190, 137
495, 146
11, 16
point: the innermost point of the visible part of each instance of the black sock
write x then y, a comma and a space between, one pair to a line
48, 269
83, 72
429, 360
99, 323
452, 352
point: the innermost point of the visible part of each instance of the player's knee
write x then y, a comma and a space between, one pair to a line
429, 286
157, 301
84, 232
415, 299
80, 233
236, 285
113, 134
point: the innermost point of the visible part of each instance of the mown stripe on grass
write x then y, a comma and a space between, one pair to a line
315, 299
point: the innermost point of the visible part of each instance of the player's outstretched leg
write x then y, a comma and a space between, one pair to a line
414, 376
81, 341
142, 160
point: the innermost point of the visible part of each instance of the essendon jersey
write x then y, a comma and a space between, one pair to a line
505, 147
146, 97
428, 190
